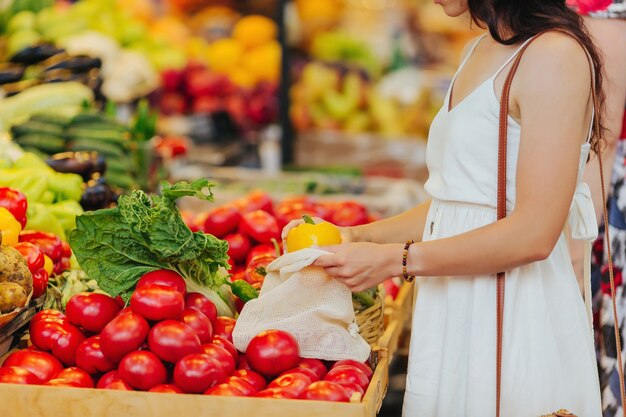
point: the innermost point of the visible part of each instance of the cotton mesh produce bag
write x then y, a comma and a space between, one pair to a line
304, 301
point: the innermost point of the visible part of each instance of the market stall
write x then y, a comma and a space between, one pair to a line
150, 154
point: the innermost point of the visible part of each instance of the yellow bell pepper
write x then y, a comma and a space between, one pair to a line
310, 234
9, 228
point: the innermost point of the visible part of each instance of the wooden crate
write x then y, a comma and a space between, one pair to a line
398, 315
43, 401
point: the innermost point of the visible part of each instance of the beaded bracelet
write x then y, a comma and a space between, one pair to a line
405, 255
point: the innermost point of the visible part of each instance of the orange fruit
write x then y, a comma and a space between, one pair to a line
225, 54
254, 30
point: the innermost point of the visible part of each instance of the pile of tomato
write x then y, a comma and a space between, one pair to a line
252, 227
169, 340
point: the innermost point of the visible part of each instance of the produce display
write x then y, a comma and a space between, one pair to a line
164, 342
99, 148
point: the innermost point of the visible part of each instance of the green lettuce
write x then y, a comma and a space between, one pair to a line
144, 233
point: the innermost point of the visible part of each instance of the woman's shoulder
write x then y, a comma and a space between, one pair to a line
555, 54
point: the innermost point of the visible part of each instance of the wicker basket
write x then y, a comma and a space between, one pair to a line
371, 320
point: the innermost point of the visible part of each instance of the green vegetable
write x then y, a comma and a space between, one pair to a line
145, 233
41, 218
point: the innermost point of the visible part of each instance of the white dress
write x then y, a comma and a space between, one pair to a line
548, 353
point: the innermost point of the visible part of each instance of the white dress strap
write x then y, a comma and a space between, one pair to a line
466, 58
512, 57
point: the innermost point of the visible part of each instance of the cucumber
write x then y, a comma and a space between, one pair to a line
89, 117
121, 165
53, 119
103, 148
36, 127
45, 143
120, 180
109, 136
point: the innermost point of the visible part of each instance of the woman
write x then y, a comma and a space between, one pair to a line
549, 360
606, 21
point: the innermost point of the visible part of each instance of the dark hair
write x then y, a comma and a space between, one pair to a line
523, 19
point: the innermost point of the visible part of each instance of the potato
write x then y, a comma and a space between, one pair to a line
13, 268
12, 296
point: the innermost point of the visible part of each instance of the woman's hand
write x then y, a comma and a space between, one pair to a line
362, 265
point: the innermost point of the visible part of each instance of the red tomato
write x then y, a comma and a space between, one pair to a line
112, 380
170, 340
256, 268
77, 376
253, 378
164, 277
242, 385
40, 282
224, 327
363, 367
304, 371
352, 388
198, 322
49, 243
61, 382
157, 302
278, 393
347, 374
238, 246
243, 363
272, 352
197, 373
261, 250
292, 209
222, 342
222, 355
33, 255
315, 365
17, 375
65, 345
326, 391
91, 311
89, 357
48, 315
391, 288
292, 381
222, 221
166, 388
260, 226
42, 364
225, 390
257, 200
123, 334
349, 213
202, 304
44, 332
142, 370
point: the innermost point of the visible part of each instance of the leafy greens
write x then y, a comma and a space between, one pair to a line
144, 233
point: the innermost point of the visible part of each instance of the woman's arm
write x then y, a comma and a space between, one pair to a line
552, 93
405, 226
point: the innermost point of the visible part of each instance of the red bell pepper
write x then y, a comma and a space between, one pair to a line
14, 201
67, 249
33, 255
348, 214
222, 221
40, 282
261, 226
50, 244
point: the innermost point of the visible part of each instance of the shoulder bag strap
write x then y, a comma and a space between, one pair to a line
501, 213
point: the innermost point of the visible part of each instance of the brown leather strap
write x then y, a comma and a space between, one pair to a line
501, 212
